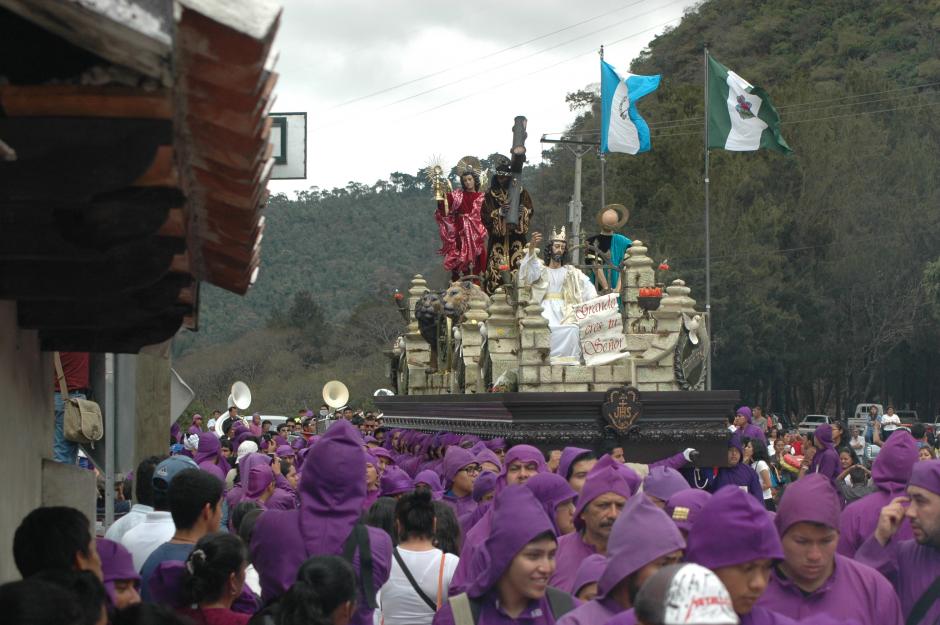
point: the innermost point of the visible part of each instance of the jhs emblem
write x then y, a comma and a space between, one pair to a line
622, 408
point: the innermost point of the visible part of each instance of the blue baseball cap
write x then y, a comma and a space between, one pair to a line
166, 470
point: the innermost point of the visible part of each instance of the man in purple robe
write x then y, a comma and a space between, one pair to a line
196, 426
812, 577
575, 464
460, 470
332, 487
826, 460
912, 564
736, 538
519, 464
515, 563
743, 421
604, 495
890, 473
209, 456
642, 541
737, 474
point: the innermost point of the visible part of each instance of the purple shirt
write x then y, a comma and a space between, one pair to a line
594, 611
909, 566
853, 591
537, 613
624, 618
571, 551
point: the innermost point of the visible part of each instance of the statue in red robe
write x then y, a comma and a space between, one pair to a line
458, 216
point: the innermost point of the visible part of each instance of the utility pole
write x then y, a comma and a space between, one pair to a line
579, 148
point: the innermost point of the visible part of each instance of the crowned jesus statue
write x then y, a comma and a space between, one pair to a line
558, 287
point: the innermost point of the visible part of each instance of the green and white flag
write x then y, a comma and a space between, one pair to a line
740, 115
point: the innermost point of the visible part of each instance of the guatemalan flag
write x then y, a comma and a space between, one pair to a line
622, 128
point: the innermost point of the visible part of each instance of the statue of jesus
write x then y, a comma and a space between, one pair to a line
558, 287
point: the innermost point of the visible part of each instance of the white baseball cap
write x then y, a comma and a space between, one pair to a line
685, 594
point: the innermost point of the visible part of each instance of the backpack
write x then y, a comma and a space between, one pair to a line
82, 422
466, 611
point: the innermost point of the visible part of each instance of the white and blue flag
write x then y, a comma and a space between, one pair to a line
622, 127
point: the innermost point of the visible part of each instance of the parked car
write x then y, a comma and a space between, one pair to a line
811, 421
908, 417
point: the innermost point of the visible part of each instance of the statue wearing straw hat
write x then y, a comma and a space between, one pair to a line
608, 247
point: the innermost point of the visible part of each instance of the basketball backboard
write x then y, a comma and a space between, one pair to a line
289, 138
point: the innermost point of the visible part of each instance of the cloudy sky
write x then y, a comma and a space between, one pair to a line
386, 85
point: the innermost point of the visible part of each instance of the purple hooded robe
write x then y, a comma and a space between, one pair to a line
890, 473
663, 482
332, 487
910, 566
750, 430
209, 456
456, 459
433, 482
572, 550
518, 518
395, 482
641, 534
685, 506
589, 572
853, 591
734, 529
549, 489
740, 474
826, 460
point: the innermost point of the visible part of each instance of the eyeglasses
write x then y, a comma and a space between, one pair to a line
471, 468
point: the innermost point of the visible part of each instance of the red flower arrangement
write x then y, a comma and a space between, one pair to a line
651, 292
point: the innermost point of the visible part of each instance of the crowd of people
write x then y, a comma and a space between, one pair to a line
378, 526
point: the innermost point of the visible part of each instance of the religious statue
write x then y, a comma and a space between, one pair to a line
558, 287
507, 242
610, 247
458, 216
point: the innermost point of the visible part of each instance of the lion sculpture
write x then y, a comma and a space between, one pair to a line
434, 308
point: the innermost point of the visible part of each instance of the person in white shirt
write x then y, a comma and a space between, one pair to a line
857, 442
143, 490
414, 601
157, 527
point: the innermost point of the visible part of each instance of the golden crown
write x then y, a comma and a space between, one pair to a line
559, 235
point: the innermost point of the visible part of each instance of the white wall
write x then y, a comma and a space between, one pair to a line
26, 388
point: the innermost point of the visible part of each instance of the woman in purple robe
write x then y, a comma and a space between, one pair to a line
373, 489
736, 538
737, 473
890, 473
332, 488
516, 562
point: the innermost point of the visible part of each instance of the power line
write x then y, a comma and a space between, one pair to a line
463, 79
482, 58
538, 71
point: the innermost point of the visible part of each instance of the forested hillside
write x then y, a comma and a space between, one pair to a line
822, 287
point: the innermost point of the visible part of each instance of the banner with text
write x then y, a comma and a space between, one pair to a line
601, 330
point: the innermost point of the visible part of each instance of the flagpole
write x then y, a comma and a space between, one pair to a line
603, 158
708, 251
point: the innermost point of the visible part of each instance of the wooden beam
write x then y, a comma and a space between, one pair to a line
85, 101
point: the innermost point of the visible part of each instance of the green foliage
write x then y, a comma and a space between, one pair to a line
822, 280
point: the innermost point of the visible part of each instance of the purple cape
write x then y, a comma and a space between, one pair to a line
890, 473
332, 488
